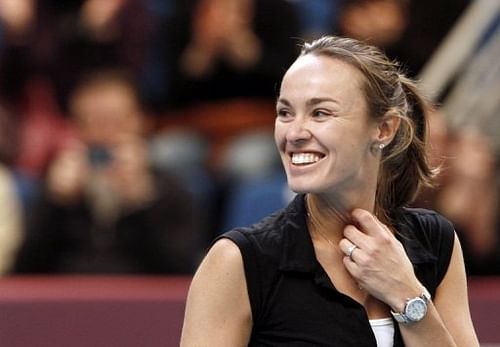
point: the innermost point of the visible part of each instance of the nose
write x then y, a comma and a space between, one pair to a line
298, 131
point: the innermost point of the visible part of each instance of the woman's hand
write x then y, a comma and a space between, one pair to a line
379, 262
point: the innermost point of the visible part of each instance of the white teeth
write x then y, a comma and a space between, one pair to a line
304, 158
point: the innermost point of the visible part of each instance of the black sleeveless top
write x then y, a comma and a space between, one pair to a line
293, 301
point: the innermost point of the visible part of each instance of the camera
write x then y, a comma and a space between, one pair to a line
99, 156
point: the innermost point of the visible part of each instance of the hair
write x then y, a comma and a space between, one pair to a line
404, 164
106, 77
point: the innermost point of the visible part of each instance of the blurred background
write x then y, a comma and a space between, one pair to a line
134, 132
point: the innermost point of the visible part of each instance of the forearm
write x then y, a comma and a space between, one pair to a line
430, 331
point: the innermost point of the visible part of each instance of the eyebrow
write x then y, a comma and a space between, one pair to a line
310, 102
283, 101
315, 101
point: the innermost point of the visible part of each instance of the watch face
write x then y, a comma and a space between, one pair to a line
415, 309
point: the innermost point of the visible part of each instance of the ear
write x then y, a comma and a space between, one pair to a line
387, 127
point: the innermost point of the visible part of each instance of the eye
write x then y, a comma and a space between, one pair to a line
283, 113
321, 113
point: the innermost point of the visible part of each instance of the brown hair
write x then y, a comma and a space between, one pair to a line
404, 165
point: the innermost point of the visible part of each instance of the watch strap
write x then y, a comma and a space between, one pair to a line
401, 317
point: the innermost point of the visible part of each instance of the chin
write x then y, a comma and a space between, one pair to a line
303, 187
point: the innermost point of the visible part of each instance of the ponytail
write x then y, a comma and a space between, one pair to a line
405, 168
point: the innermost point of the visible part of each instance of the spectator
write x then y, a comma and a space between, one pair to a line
104, 209
223, 60
90, 34
60, 41
222, 49
469, 197
408, 31
467, 192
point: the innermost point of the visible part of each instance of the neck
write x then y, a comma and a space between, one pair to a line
326, 220
329, 214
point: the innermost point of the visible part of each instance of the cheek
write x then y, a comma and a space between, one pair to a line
331, 137
279, 135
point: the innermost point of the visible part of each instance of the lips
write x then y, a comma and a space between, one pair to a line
305, 158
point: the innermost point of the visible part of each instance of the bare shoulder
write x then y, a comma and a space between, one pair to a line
221, 270
224, 253
218, 308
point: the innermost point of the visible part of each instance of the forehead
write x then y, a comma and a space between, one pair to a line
311, 74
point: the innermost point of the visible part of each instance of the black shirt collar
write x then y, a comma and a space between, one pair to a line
298, 250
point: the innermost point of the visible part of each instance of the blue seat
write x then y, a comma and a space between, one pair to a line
250, 201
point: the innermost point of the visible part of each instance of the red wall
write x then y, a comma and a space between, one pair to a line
139, 311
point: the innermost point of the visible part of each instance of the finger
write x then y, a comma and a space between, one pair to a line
351, 267
347, 247
352, 251
367, 222
357, 237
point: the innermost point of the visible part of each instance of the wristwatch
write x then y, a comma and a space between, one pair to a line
415, 309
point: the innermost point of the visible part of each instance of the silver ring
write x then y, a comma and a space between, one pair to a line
350, 251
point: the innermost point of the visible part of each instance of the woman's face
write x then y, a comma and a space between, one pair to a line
323, 130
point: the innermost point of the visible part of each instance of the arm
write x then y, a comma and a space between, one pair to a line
218, 308
449, 313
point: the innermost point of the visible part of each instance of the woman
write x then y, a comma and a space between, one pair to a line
345, 264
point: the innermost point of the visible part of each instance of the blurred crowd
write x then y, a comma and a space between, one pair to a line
134, 131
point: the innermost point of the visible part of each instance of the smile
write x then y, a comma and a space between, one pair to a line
305, 158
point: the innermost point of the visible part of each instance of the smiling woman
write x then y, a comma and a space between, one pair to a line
346, 263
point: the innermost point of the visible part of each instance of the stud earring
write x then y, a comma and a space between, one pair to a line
381, 146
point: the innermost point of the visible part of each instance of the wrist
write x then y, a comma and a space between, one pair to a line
414, 308
399, 301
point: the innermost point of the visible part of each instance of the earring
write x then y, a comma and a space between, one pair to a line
381, 146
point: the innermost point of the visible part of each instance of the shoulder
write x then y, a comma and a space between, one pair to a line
424, 224
223, 252
433, 231
221, 270
425, 216
217, 307
428, 238
262, 237
262, 248
262, 244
